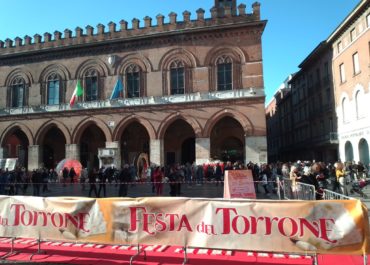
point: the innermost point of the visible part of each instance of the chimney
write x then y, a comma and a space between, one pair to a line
112, 27
89, 30
200, 14
172, 16
67, 34
101, 28
18, 42
37, 38
57, 35
214, 12
27, 40
256, 10
148, 22
160, 20
241, 8
123, 24
47, 37
135, 23
78, 32
186, 15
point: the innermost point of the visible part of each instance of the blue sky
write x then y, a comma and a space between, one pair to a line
293, 30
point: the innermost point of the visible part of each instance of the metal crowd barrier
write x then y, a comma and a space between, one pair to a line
331, 195
303, 191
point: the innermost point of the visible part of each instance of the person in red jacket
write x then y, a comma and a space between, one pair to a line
158, 180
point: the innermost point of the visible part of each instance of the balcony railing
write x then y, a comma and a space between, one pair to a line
143, 101
328, 138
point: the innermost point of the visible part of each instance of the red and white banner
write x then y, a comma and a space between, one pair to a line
279, 226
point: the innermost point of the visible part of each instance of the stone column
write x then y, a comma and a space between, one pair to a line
34, 155
255, 149
157, 152
202, 150
2, 153
73, 151
117, 154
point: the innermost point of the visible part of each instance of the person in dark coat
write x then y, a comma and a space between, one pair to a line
124, 178
93, 176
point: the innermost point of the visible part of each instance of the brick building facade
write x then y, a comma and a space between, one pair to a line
193, 91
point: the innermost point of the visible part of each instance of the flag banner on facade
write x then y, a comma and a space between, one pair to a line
118, 88
323, 227
76, 93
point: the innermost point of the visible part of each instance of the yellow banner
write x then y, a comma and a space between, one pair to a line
340, 227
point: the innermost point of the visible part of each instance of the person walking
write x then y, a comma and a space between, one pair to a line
93, 176
158, 177
124, 178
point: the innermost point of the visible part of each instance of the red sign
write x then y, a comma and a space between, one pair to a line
239, 184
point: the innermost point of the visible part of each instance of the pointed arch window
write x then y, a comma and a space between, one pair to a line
53, 89
91, 85
177, 75
133, 73
359, 100
18, 93
344, 110
224, 73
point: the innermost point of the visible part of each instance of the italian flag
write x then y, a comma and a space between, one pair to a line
77, 93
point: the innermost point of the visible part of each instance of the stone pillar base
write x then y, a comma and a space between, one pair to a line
34, 154
73, 151
255, 149
202, 150
156, 152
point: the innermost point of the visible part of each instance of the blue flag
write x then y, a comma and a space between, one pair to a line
117, 90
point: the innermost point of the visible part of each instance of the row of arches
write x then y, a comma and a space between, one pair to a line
362, 150
227, 141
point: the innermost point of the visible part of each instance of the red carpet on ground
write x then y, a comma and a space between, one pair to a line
91, 254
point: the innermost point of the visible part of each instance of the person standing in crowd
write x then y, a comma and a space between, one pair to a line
45, 179
102, 182
36, 182
72, 175
199, 175
65, 174
294, 177
340, 174
218, 174
158, 180
93, 178
124, 178
83, 177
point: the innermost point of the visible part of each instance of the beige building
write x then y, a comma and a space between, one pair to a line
350, 43
192, 91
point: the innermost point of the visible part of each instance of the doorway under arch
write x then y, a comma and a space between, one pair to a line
363, 150
227, 140
134, 141
348, 151
53, 147
179, 143
91, 140
16, 146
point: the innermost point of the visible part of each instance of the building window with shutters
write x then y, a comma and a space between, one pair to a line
177, 77
133, 81
224, 73
53, 89
342, 73
356, 64
18, 93
91, 85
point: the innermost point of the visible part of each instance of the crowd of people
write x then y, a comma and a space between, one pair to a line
322, 175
